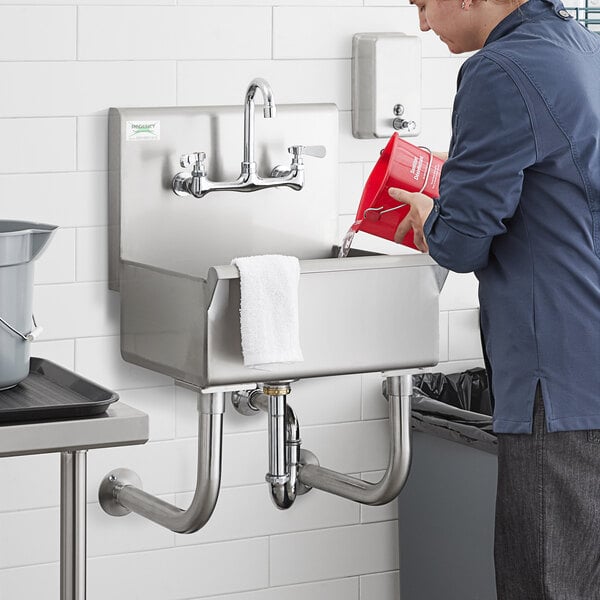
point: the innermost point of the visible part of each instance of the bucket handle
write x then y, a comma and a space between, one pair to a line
380, 210
27, 337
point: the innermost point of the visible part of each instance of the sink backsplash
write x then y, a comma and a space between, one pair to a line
188, 234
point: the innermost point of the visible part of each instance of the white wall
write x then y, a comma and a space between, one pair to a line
62, 64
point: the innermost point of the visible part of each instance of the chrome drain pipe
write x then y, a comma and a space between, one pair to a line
293, 471
282, 488
121, 490
284, 439
398, 391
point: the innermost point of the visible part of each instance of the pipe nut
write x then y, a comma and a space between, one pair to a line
276, 390
277, 479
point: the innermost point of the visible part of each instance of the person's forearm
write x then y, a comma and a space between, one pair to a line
442, 155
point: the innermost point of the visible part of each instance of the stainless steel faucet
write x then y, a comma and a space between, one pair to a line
197, 183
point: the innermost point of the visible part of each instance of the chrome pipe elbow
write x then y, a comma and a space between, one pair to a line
121, 492
398, 391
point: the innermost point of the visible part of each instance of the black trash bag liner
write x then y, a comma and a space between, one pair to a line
456, 407
475, 434
423, 408
468, 390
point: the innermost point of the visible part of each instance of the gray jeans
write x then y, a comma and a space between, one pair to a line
547, 539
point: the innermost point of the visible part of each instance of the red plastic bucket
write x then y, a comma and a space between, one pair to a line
401, 165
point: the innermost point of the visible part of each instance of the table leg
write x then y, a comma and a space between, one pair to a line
73, 536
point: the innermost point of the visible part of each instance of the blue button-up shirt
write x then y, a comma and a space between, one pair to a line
520, 205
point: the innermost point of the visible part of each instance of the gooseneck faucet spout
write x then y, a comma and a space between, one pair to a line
249, 166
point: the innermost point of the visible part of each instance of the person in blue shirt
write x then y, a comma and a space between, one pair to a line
519, 204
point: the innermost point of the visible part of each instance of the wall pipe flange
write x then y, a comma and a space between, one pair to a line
112, 483
306, 458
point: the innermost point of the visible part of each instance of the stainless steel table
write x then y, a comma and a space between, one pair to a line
120, 425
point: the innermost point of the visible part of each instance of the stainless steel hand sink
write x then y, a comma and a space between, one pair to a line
171, 244
170, 256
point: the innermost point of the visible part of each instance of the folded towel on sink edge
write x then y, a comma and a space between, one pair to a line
269, 309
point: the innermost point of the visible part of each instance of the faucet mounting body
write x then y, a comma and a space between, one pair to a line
198, 184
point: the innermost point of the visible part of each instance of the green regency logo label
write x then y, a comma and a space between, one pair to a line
142, 130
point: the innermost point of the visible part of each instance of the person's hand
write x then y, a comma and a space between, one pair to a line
420, 207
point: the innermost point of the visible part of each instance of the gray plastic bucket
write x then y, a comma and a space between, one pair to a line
21, 242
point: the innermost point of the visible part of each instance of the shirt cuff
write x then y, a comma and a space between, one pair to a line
431, 217
451, 248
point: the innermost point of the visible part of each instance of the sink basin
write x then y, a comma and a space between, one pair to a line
170, 256
356, 314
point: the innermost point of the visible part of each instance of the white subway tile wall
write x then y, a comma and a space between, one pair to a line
63, 89
36, 33
380, 585
318, 80
463, 346
174, 33
336, 552
347, 588
63, 63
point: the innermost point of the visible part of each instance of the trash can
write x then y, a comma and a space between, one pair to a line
446, 509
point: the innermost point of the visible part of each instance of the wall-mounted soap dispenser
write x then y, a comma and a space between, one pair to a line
386, 85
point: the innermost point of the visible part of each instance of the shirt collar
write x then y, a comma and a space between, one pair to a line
523, 13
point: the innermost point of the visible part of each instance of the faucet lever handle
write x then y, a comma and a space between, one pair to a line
316, 151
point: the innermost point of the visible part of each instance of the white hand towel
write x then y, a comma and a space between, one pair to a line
269, 309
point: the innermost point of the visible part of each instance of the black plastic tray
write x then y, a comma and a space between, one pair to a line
51, 392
